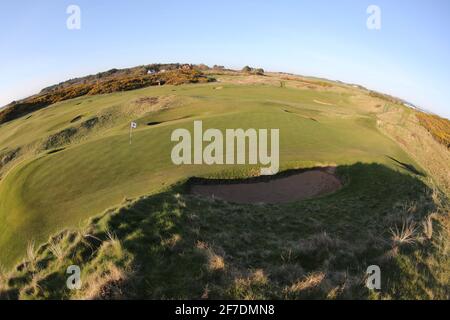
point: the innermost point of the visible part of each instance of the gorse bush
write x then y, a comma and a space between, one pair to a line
108, 82
438, 127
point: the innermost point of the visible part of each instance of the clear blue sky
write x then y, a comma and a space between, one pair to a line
409, 57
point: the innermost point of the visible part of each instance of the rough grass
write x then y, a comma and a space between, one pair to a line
437, 126
402, 125
176, 246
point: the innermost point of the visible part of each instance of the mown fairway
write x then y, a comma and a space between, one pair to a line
49, 191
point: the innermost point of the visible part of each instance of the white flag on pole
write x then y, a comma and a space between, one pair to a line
133, 125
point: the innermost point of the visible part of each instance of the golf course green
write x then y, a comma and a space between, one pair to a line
52, 191
78, 159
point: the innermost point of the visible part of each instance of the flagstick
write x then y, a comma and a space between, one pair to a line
131, 128
133, 125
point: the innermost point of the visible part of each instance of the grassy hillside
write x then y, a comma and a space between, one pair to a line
72, 161
70, 185
174, 245
106, 82
437, 126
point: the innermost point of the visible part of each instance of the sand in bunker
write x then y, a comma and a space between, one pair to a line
292, 188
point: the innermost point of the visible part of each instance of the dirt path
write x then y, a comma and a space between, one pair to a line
292, 188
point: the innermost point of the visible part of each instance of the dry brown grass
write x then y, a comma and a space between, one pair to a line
438, 127
56, 249
404, 127
104, 285
404, 235
310, 281
172, 241
248, 287
3, 280
31, 252
215, 261
427, 225
112, 237
112, 246
259, 277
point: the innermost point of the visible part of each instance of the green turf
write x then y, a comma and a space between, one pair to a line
48, 192
173, 245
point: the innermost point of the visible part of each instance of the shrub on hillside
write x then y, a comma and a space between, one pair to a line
106, 82
257, 71
438, 127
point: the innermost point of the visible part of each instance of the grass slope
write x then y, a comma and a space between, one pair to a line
52, 191
65, 164
176, 246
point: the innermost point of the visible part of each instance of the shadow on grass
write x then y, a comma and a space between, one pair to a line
187, 247
56, 150
406, 166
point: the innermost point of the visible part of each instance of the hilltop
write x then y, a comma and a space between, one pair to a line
113, 80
